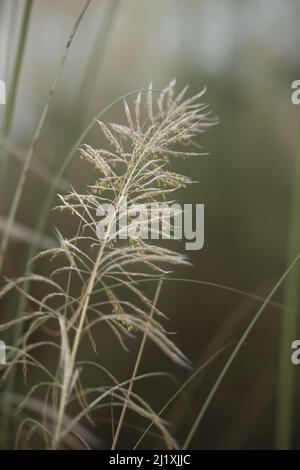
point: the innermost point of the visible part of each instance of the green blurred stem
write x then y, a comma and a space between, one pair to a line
289, 325
11, 100
136, 367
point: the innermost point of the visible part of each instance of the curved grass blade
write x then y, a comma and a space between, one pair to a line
234, 354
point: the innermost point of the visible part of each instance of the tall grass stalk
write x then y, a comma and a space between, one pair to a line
289, 329
10, 35
234, 355
12, 92
32, 148
13, 87
38, 234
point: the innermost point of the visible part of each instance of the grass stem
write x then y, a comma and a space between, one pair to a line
32, 148
136, 368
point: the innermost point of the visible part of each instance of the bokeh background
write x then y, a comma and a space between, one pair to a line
247, 54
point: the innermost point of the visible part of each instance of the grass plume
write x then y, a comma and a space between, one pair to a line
79, 294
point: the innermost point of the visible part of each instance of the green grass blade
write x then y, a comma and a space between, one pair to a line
234, 354
10, 105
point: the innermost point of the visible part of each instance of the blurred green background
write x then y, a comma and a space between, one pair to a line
247, 54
